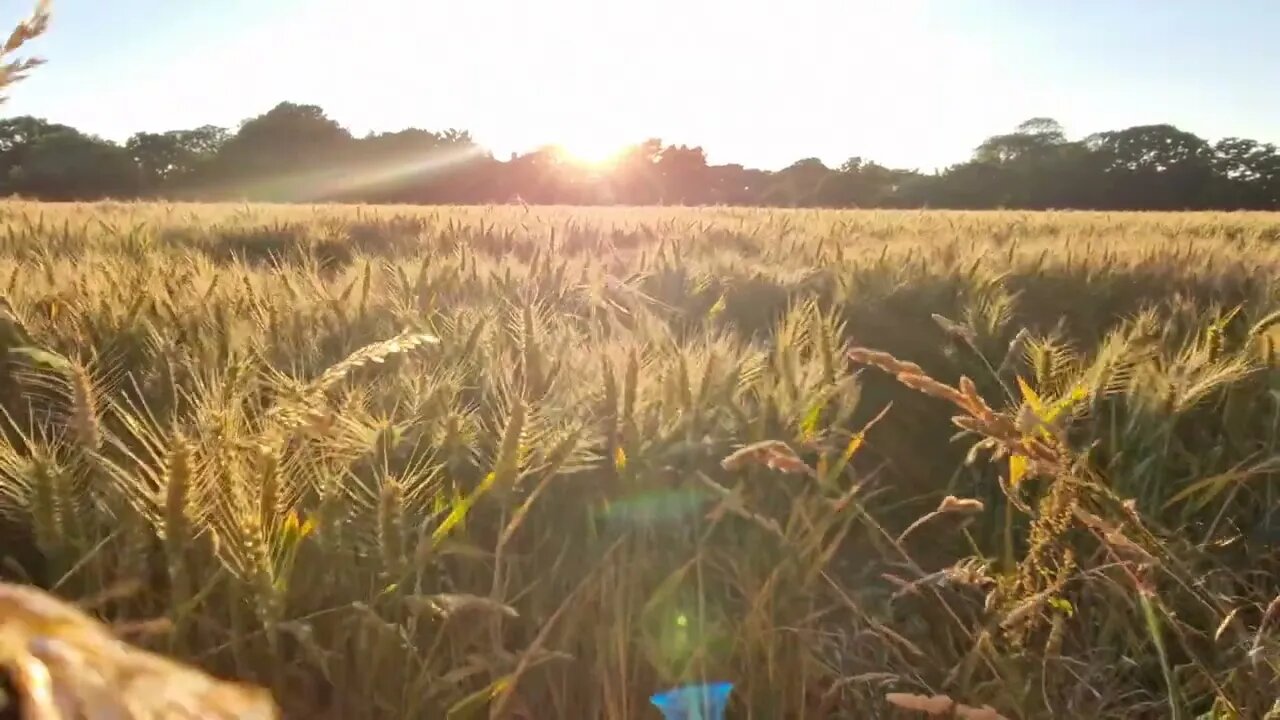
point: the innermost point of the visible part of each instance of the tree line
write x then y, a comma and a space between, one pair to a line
296, 153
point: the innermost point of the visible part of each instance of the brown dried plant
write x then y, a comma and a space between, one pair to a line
12, 69
65, 665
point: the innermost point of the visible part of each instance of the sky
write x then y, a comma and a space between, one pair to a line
908, 83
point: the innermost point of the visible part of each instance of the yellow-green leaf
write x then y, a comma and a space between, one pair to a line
717, 308
842, 462
1078, 394
41, 356
619, 459
475, 704
1030, 397
461, 507
292, 527
809, 424
1047, 415
1063, 606
1017, 469
855, 444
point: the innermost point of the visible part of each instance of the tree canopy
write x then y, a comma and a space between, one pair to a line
295, 152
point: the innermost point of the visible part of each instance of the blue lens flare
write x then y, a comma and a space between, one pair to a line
656, 507
705, 701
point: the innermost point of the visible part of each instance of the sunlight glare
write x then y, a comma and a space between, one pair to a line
592, 152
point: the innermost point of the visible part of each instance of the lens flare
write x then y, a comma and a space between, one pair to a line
656, 507
326, 182
704, 701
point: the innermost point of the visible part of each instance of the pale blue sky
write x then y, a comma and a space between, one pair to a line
915, 83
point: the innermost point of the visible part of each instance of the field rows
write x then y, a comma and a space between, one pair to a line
396, 462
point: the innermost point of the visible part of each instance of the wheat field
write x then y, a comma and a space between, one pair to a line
516, 462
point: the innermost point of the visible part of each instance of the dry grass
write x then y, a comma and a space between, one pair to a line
544, 462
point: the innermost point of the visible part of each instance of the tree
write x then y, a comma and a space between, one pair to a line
533, 177
797, 184
17, 136
683, 172
636, 176
57, 162
967, 185
391, 165
1247, 174
860, 183
1034, 139
291, 152
1045, 128
166, 160
296, 152
453, 136
1155, 167
69, 165
19, 132
1035, 166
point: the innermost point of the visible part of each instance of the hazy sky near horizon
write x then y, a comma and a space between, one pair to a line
909, 83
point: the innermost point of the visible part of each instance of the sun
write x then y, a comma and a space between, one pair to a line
591, 152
